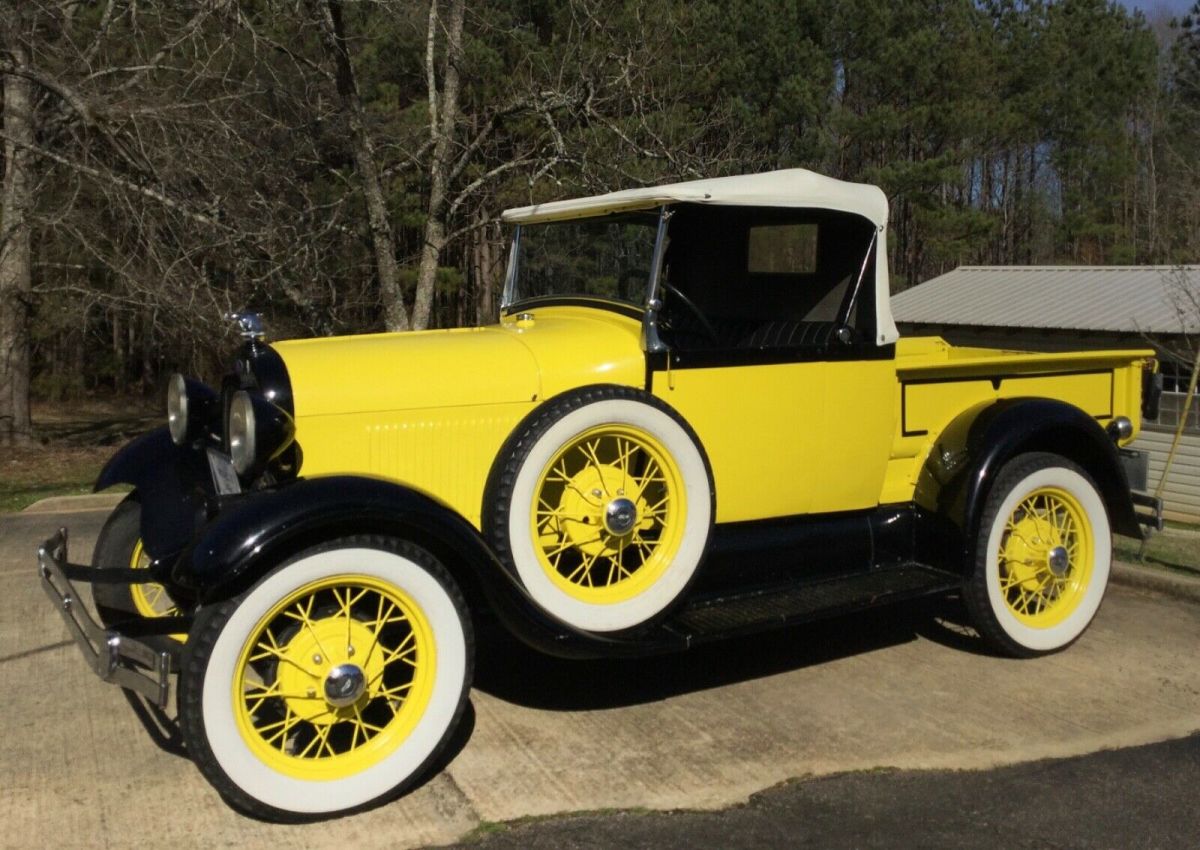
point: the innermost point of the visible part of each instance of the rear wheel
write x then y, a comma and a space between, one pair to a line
120, 546
1042, 558
331, 684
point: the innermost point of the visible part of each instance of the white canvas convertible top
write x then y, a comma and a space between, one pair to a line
793, 187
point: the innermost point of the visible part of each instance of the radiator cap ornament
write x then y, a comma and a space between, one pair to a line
249, 325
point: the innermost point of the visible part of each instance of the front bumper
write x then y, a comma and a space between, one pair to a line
121, 659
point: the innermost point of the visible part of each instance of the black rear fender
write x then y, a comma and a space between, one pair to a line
970, 452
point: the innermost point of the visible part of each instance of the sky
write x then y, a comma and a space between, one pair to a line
1174, 7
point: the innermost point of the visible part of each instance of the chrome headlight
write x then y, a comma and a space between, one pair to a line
242, 432
177, 409
192, 409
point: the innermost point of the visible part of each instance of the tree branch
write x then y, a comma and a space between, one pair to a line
116, 180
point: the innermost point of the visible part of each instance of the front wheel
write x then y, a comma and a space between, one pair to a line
120, 546
1042, 558
331, 684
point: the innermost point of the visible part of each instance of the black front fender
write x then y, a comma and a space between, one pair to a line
256, 532
172, 483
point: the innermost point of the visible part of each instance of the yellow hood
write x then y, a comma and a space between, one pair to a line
515, 361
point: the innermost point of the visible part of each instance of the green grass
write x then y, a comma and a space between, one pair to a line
74, 443
27, 475
1177, 552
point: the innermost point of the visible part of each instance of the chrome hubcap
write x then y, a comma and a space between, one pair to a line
620, 516
344, 685
1058, 561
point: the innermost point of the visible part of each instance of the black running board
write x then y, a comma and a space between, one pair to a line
767, 608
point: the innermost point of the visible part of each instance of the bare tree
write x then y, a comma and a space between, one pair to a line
333, 35
16, 281
444, 116
206, 155
602, 104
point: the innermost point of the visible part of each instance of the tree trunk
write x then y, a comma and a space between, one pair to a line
78, 348
16, 282
118, 348
485, 273
334, 35
147, 354
431, 252
443, 125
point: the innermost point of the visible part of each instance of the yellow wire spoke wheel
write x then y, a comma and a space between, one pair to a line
334, 677
607, 514
331, 683
1045, 557
120, 545
603, 509
149, 600
1042, 558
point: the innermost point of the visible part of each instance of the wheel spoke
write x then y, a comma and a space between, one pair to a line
1047, 524
281, 656
625, 450
589, 452
303, 613
585, 496
404, 652
260, 696
393, 691
613, 573
281, 727
358, 727
579, 569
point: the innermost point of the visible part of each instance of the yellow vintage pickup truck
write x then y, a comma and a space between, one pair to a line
694, 419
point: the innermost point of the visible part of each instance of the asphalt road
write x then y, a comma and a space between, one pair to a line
906, 689
1138, 797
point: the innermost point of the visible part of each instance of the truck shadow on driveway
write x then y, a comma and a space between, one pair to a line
510, 671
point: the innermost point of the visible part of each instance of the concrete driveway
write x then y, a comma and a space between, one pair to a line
900, 688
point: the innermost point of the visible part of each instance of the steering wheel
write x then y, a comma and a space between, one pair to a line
705, 324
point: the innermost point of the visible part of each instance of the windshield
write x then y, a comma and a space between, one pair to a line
608, 258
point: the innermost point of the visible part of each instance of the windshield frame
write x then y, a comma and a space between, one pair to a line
508, 304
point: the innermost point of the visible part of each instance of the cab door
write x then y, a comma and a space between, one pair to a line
769, 321
790, 438
756, 424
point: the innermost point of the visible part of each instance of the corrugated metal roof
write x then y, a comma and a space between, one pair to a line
1145, 299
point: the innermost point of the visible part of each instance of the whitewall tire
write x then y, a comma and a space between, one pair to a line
331, 684
1043, 556
603, 508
